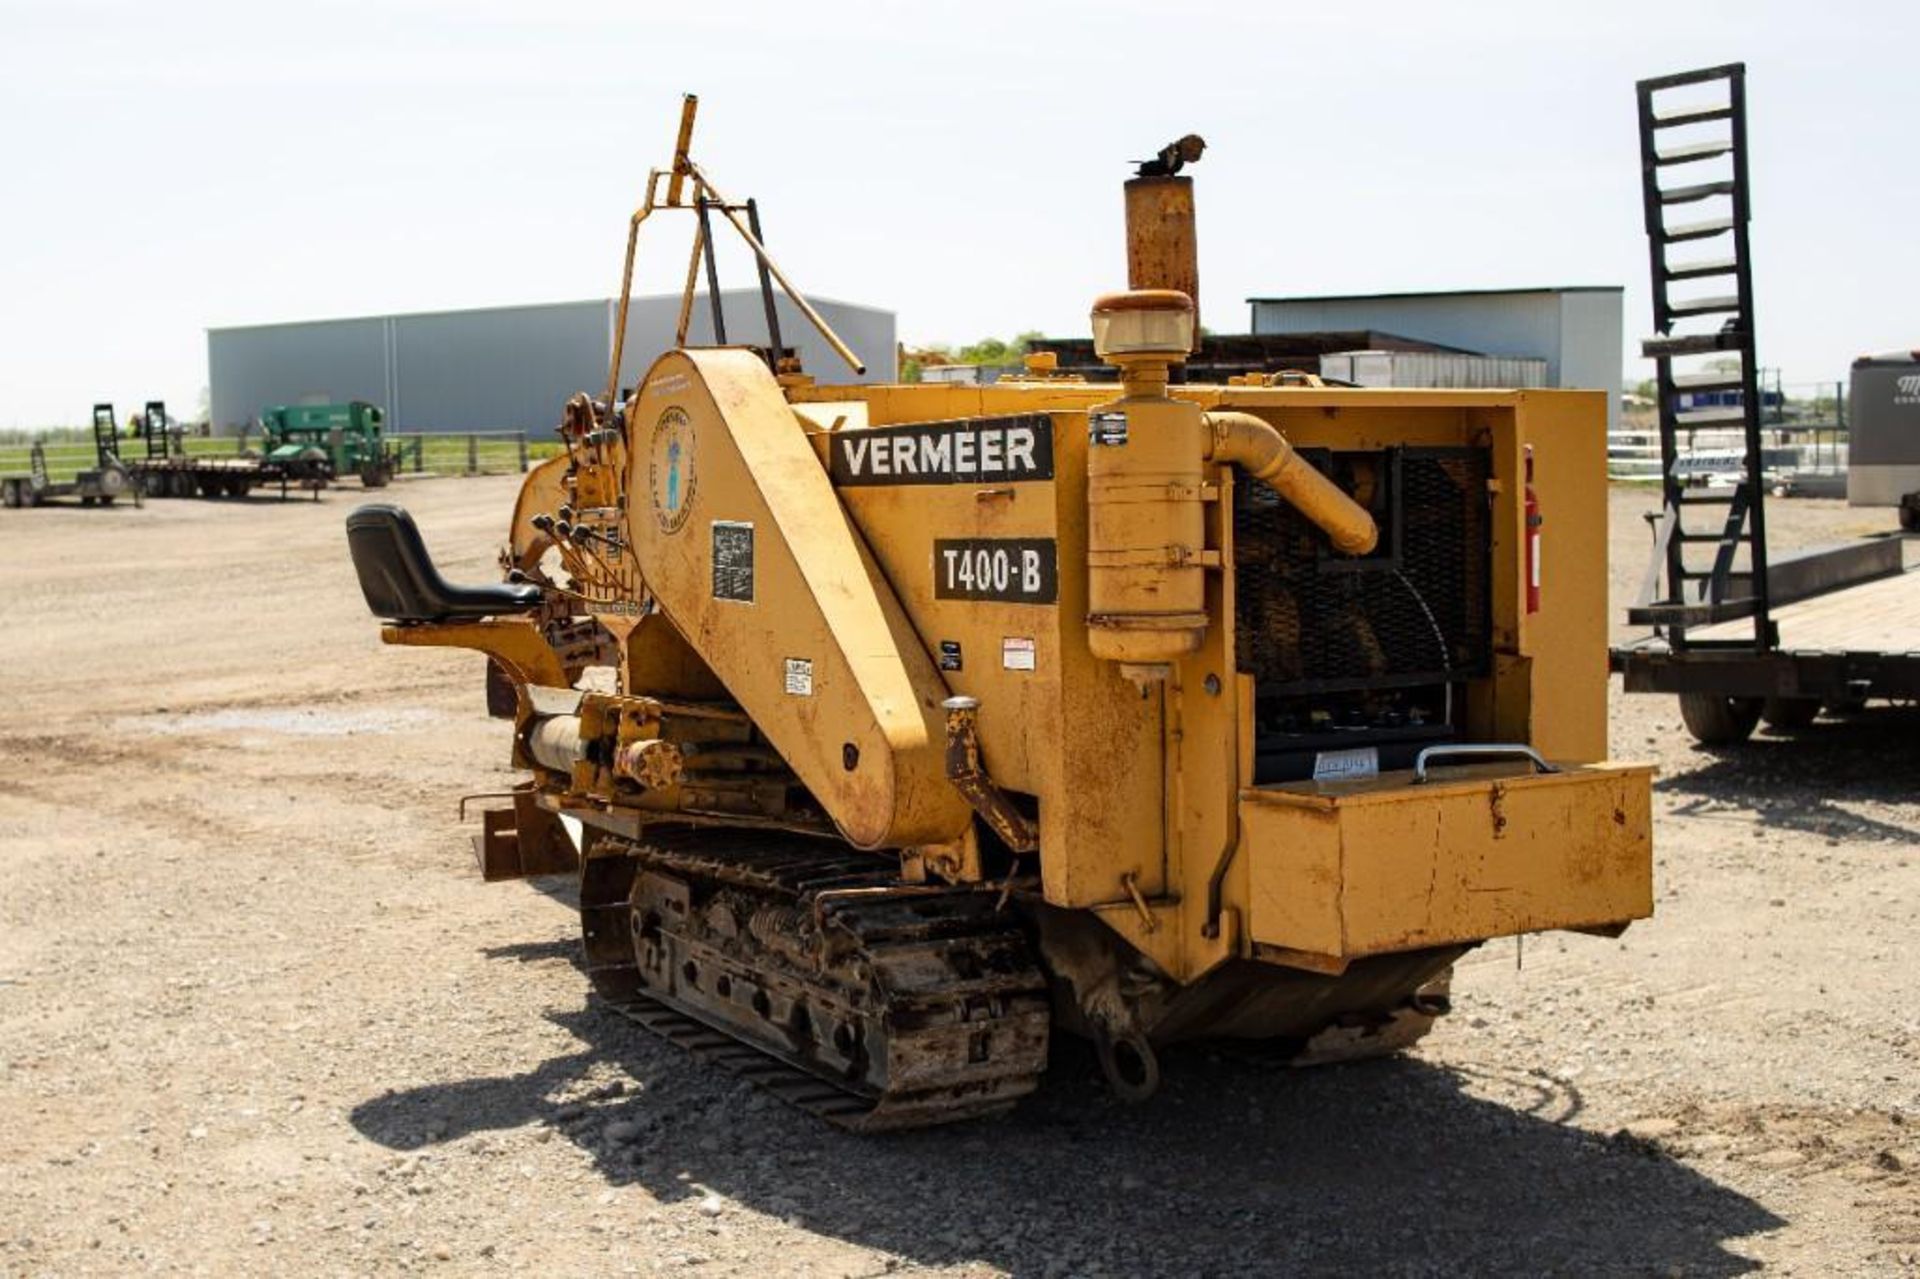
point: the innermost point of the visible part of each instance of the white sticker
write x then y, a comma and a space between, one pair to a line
1347, 765
1016, 654
800, 676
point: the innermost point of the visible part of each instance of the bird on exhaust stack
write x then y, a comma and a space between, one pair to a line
1172, 157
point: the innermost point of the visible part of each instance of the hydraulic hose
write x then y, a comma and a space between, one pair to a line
1254, 446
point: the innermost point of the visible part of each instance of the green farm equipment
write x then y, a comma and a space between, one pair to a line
350, 435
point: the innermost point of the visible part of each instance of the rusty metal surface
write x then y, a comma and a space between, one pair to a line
523, 840
1163, 250
1383, 865
969, 776
774, 570
737, 531
805, 965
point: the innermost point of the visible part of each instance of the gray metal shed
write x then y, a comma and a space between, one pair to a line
502, 368
1578, 330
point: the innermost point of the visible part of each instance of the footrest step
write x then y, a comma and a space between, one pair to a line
1718, 380
1698, 191
1701, 270
1696, 230
1675, 117
1660, 348
1706, 306
1693, 419
1693, 152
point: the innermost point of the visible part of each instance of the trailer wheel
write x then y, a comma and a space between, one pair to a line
10, 495
1789, 712
106, 499
86, 500
375, 477
1715, 719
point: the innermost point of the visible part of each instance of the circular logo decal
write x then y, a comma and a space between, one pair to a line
670, 472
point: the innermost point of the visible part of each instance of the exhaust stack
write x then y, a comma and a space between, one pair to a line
1162, 249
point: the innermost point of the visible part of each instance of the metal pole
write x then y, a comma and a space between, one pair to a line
520, 438
753, 242
682, 163
713, 274
774, 345
693, 279
626, 287
473, 455
682, 168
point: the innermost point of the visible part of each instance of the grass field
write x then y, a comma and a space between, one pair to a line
70, 452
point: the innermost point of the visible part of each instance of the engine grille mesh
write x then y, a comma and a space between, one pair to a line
1416, 611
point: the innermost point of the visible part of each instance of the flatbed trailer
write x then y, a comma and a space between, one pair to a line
101, 485
182, 476
1834, 649
167, 471
1739, 634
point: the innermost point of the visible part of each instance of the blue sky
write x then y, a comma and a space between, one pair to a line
174, 166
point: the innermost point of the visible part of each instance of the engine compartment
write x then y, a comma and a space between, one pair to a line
1359, 661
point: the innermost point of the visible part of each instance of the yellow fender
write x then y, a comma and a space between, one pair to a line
741, 538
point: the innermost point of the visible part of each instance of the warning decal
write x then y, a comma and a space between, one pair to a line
800, 676
733, 561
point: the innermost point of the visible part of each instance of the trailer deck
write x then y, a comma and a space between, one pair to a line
1880, 617
1838, 646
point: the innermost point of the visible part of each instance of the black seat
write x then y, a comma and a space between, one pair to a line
400, 582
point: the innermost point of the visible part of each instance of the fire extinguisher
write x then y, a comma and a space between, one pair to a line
1533, 539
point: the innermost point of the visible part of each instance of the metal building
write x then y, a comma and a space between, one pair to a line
503, 368
1435, 369
1579, 331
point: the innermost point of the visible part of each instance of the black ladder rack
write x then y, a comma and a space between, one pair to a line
1700, 148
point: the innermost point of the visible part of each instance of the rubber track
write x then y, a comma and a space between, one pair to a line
898, 921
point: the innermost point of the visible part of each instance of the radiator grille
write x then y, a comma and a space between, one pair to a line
1416, 611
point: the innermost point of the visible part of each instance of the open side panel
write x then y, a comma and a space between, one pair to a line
741, 538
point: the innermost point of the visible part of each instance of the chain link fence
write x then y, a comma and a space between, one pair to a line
1803, 430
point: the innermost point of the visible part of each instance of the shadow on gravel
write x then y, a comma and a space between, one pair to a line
1235, 1166
537, 952
1798, 779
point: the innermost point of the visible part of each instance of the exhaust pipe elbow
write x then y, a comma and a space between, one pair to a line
1254, 446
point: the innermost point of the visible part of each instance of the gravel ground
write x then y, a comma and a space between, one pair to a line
258, 1014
